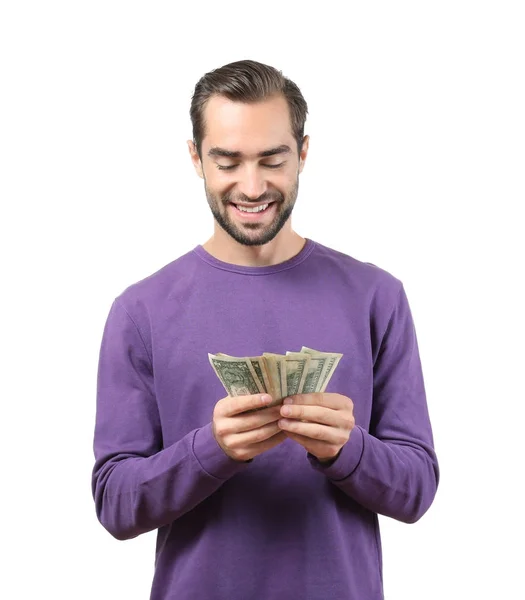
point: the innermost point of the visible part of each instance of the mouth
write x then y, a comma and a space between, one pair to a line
253, 211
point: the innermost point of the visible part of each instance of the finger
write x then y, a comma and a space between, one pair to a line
314, 431
321, 449
256, 449
315, 414
255, 436
246, 421
328, 400
240, 423
271, 442
229, 406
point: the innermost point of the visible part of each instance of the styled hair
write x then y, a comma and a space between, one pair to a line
247, 81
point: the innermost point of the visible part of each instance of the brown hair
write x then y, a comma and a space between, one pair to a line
247, 81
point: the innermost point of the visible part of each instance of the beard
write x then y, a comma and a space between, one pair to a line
253, 234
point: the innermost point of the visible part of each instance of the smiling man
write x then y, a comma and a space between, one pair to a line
251, 193
282, 501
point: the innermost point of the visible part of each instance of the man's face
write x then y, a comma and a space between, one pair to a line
247, 180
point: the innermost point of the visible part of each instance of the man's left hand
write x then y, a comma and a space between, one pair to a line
320, 422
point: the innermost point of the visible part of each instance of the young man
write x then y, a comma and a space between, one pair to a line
280, 502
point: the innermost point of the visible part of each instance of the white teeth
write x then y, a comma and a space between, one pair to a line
256, 209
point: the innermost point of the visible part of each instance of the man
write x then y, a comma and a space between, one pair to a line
280, 502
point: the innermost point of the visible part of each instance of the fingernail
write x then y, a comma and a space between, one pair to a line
266, 398
287, 401
287, 411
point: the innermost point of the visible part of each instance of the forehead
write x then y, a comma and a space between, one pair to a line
247, 128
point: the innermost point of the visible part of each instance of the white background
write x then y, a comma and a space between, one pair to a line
416, 163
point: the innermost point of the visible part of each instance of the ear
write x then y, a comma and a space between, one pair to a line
304, 152
195, 158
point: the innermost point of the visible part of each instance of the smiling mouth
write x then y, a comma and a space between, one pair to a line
252, 209
247, 211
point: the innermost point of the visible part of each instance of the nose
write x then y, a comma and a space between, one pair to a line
252, 182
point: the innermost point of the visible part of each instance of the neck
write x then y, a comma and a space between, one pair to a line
285, 245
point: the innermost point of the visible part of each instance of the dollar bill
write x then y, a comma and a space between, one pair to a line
279, 375
237, 375
263, 377
316, 373
332, 360
296, 371
276, 369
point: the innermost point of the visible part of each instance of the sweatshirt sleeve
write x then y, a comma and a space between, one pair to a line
392, 469
137, 484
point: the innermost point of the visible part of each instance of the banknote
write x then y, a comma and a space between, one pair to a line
277, 370
315, 371
296, 371
332, 360
258, 364
279, 375
237, 375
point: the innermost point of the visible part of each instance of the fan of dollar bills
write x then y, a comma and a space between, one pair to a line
279, 375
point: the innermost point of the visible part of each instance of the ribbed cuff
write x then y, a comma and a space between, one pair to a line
212, 457
347, 461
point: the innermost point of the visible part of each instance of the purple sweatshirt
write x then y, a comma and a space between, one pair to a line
283, 525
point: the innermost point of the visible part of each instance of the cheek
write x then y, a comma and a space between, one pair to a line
217, 189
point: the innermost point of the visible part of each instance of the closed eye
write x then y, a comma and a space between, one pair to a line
222, 168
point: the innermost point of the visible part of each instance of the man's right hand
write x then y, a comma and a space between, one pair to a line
242, 434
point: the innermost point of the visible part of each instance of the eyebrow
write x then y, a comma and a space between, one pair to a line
216, 151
